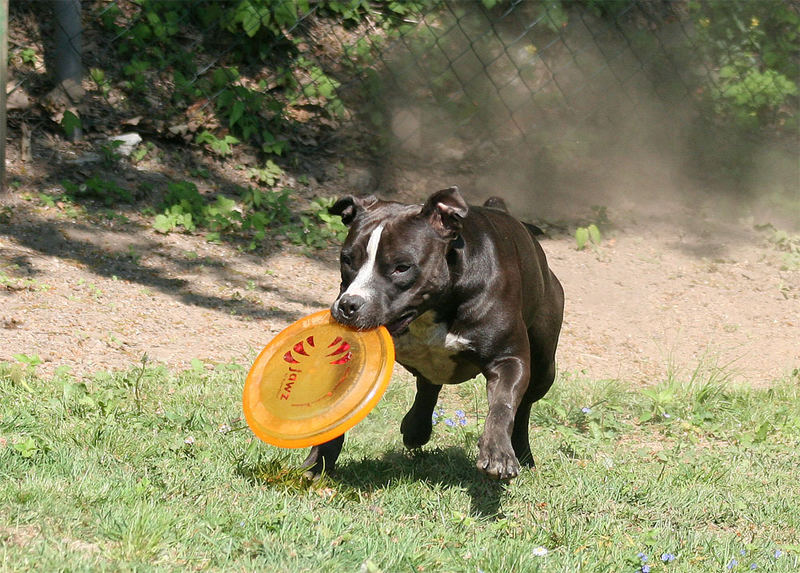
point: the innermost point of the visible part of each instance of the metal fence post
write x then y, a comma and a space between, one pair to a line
68, 53
68, 40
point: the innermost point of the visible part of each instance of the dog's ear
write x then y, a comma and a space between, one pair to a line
349, 207
445, 210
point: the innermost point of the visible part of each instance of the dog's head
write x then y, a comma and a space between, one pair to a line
394, 260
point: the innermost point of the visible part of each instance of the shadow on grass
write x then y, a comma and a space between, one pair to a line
450, 467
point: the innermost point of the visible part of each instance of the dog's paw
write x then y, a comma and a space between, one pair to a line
416, 432
498, 464
322, 458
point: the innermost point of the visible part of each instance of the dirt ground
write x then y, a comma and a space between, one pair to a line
94, 293
672, 289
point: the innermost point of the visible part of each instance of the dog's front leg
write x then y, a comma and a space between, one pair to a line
506, 381
323, 457
417, 423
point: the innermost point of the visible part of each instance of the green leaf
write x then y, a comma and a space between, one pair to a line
250, 18
581, 237
237, 110
594, 234
47, 200
761, 432
285, 13
69, 123
98, 75
187, 221
30, 360
163, 224
26, 449
205, 137
223, 206
74, 390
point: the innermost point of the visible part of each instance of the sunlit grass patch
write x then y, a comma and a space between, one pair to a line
152, 469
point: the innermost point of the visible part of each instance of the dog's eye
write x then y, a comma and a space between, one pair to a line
346, 260
401, 268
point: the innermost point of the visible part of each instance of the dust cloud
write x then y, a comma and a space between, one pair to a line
573, 120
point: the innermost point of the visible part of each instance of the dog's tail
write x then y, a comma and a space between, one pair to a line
533, 229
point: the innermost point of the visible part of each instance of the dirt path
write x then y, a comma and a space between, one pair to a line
660, 300
653, 299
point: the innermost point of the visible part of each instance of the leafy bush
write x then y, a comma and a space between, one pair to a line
752, 50
751, 96
220, 146
318, 228
255, 216
153, 42
185, 207
744, 52
95, 187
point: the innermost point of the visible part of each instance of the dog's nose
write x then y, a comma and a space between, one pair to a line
349, 305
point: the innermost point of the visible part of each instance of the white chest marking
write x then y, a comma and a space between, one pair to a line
362, 284
430, 349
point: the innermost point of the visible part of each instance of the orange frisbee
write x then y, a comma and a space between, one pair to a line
316, 380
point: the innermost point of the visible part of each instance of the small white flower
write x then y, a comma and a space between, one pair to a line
539, 551
224, 429
586, 410
189, 441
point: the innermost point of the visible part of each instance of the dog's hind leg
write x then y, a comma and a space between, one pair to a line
417, 424
543, 373
542, 377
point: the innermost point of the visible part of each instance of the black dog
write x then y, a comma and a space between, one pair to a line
462, 290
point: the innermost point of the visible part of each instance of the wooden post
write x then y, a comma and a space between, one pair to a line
3, 81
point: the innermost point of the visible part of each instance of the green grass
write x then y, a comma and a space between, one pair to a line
154, 470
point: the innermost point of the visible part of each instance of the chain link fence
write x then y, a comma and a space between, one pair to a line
538, 59
281, 74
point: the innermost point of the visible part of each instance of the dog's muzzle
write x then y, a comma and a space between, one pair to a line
346, 309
